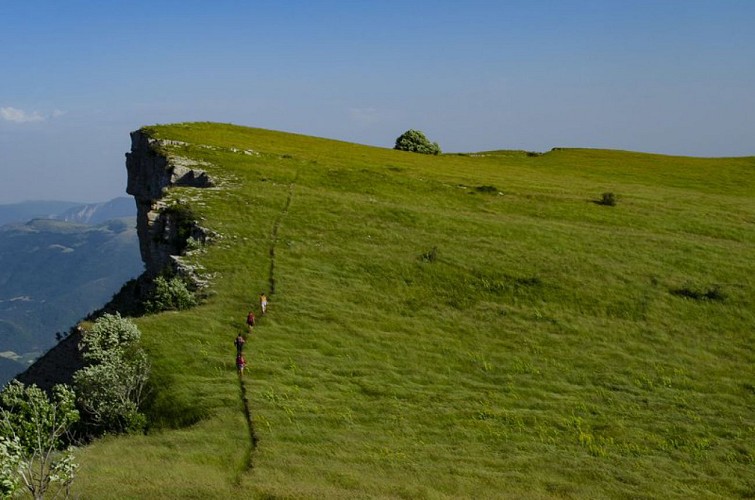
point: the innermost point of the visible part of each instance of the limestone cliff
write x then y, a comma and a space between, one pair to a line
163, 229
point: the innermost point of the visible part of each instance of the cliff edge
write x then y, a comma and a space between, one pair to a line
163, 230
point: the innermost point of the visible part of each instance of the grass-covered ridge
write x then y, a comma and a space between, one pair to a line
453, 326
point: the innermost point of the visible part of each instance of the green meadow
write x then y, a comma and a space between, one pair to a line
453, 326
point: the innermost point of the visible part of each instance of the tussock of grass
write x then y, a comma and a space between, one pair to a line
423, 343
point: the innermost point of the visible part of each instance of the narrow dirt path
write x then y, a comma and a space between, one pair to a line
274, 234
253, 438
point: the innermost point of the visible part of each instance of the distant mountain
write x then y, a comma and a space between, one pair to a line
97, 213
9, 368
53, 273
84, 213
27, 210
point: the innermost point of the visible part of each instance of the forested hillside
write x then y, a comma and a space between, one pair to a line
52, 274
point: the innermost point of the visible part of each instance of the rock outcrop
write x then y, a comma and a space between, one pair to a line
163, 228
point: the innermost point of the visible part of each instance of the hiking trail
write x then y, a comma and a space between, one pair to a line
253, 438
274, 234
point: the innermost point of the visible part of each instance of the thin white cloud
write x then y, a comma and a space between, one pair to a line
20, 116
16, 115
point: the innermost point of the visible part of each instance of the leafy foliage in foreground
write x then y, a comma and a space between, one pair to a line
536, 353
33, 453
110, 389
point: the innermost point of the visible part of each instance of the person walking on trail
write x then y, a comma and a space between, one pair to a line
239, 343
250, 320
263, 302
240, 363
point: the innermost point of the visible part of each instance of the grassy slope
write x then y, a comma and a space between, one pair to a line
540, 355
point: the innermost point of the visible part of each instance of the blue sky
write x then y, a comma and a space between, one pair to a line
675, 77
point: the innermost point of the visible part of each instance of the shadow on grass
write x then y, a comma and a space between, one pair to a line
713, 294
167, 407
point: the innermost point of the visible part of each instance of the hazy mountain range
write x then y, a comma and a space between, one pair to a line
58, 262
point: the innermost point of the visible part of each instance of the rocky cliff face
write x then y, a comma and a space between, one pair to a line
163, 228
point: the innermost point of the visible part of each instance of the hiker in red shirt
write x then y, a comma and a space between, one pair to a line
240, 364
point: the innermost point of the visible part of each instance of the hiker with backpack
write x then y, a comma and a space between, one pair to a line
239, 343
263, 302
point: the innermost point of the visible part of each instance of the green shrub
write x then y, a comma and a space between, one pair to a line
430, 256
486, 189
416, 142
170, 295
192, 244
713, 293
184, 220
10, 461
111, 387
33, 453
607, 199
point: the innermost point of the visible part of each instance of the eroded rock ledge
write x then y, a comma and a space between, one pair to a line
163, 229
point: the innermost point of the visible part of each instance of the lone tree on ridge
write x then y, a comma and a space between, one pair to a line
416, 142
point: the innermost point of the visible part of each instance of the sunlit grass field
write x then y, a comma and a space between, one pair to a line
458, 326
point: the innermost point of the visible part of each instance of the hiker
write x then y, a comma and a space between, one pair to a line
263, 302
240, 363
250, 320
239, 343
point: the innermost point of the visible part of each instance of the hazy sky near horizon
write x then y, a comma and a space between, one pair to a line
666, 76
